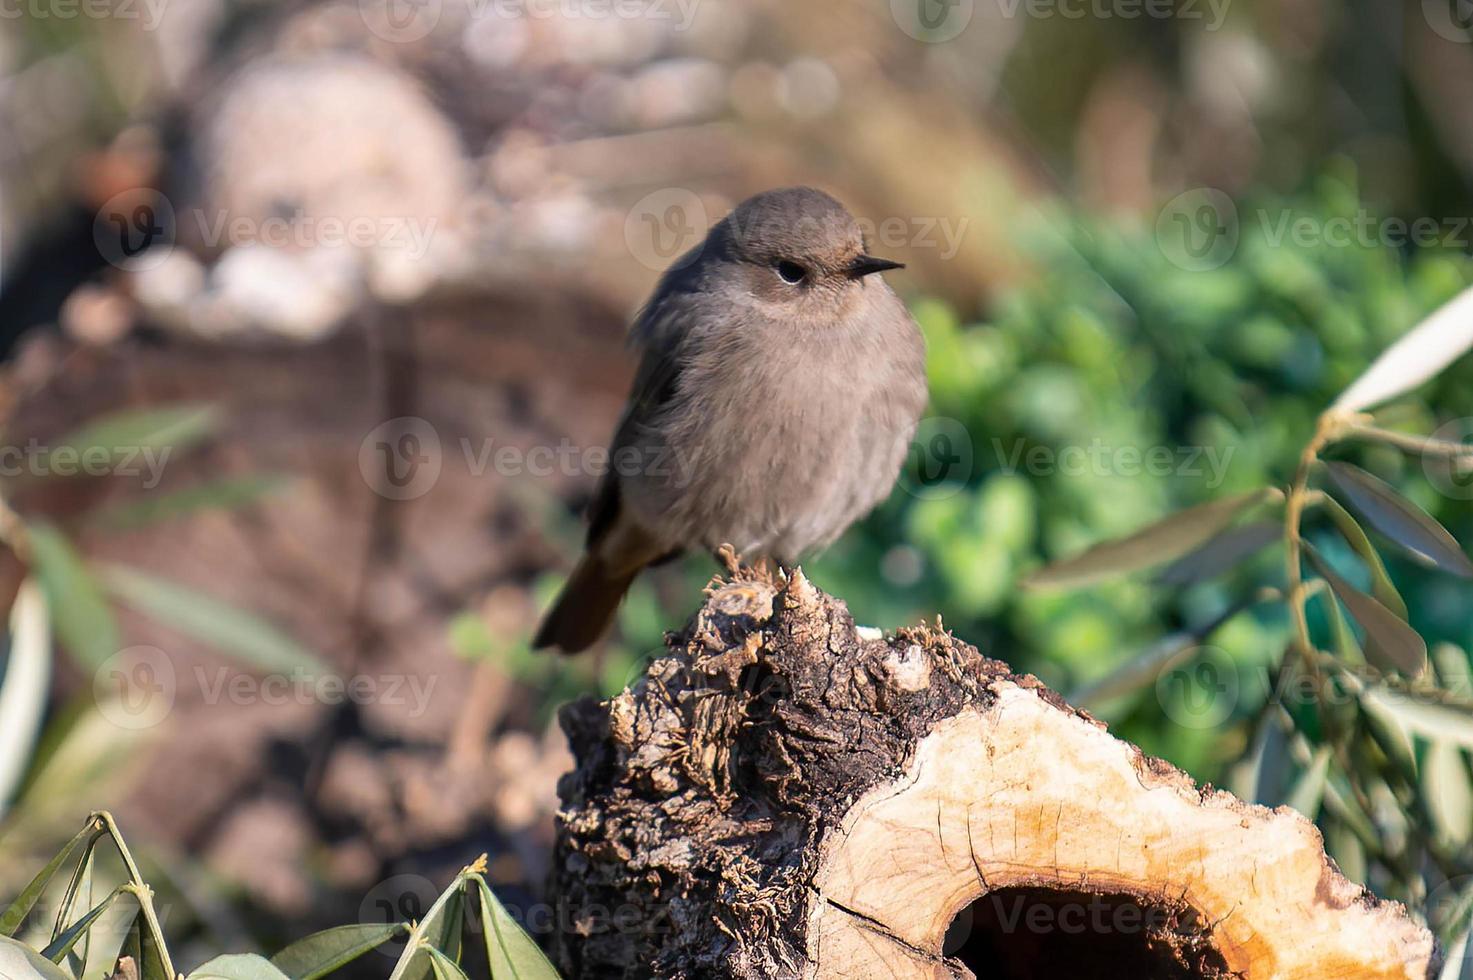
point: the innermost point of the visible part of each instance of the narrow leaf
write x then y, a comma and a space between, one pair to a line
155, 507
23, 689
445, 967
81, 879
1433, 720
1453, 670
77, 956
1166, 540
441, 927
322, 952
1381, 585
83, 620
1448, 792
139, 944
1222, 553
238, 966
127, 433
1418, 356
26, 900
1459, 962
1347, 851
20, 962
1390, 733
1309, 790
1399, 519
63, 943
512, 953
1347, 647
1390, 642
228, 628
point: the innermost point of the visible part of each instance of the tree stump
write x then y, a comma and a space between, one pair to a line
785, 795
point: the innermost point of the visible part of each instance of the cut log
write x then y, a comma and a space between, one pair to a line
784, 795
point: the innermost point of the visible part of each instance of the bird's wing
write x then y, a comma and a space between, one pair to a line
658, 334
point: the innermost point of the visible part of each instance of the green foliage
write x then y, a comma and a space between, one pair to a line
1143, 410
434, 946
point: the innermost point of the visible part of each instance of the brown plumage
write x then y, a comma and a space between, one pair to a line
779, 384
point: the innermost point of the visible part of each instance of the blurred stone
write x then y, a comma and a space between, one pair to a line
261, 844
679, 90
165, 289
301, 297
809, 88
96, 315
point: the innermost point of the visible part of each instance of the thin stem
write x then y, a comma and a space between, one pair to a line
1331, 427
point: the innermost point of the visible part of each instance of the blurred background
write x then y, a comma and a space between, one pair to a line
312, 321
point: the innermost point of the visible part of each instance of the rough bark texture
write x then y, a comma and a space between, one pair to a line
784, 795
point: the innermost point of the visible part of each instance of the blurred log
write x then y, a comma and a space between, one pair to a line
784, 795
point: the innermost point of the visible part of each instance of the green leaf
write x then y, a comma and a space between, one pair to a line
1347, 850
1258, 776
1459, 962
1382, 587
20, 962
1453, 670
323, 952
155, 507
512, 953
1417, 357
238, 966
139, 944
1166, 540
82, 618
441, 928
228, 628
1223, 552
1448, 792
445, 967
77, 955
125, 433
1399, 519
1433, 720
24, 686
26, 900
63, 943
1309, 790
1390, 642
1347, 647
79, 888
1391, 735
470, 637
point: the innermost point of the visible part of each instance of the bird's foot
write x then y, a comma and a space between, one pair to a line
728, 558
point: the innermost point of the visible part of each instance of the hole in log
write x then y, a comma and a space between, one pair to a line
1027, 932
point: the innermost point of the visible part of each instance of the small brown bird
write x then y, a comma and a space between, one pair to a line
779, 385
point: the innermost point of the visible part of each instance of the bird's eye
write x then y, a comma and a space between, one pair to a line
791, 272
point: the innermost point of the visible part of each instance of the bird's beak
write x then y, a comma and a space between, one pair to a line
868, 265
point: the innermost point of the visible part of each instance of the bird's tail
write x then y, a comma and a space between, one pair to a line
585, 607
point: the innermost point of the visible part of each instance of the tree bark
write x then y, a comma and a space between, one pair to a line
785, 795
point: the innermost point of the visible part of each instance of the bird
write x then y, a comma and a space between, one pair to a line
780, 382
